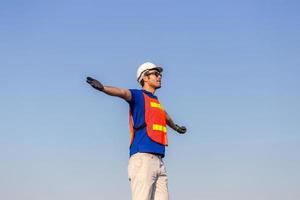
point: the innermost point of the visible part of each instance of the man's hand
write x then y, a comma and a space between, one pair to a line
180, 129
95, 84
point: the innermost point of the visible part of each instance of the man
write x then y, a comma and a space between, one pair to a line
148, 119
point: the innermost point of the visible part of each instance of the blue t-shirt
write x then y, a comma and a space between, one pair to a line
142, 142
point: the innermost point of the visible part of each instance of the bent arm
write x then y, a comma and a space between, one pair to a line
170, 122
175, 127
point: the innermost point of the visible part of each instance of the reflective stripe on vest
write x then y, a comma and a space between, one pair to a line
157, 127
156, 105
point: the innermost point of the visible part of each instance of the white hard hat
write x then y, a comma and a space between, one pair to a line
144, 68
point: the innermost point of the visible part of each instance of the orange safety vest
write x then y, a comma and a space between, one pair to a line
155, 121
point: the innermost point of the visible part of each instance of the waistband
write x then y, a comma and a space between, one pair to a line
150, 154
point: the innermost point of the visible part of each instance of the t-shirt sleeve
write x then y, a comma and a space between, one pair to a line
134, 93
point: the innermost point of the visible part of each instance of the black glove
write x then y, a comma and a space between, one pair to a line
180, 129
94, 83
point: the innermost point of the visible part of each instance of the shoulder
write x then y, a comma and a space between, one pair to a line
136, 94
135, 91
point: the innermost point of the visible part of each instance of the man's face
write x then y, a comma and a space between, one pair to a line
153, 78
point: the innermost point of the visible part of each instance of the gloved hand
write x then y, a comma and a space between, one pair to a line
180, 129
95, 84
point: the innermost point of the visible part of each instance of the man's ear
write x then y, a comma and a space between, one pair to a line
145, 78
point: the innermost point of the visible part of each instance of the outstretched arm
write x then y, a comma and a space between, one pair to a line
176, 127
112, 91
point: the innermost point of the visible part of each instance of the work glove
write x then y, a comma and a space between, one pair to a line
180, 129
95, 84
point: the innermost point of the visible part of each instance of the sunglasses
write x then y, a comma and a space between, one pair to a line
154, 73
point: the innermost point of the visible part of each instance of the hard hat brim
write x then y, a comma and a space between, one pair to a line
159, 69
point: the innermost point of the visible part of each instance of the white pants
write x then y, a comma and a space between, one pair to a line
148, 177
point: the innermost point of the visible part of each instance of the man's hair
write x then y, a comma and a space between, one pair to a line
142, 82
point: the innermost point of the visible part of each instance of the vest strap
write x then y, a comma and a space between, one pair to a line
140, 127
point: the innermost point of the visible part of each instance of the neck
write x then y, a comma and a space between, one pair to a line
149, 89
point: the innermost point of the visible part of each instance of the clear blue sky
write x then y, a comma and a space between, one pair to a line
231, 75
